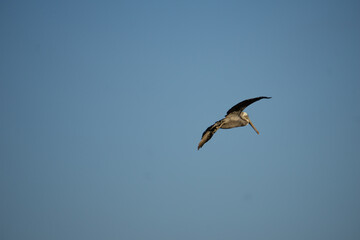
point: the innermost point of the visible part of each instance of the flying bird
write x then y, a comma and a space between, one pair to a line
235, 117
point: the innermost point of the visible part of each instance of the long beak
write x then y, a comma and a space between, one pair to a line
252, 125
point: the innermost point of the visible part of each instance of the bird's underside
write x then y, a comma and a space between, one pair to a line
235, 117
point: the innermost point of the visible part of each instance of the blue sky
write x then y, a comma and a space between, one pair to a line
103, 103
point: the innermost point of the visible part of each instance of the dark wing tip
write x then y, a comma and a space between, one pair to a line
242, 105
258, 98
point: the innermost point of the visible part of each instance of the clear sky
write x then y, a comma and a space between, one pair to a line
103, 103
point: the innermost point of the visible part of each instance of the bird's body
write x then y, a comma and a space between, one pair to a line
233, 120
235, 117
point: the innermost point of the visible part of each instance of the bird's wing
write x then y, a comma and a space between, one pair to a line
209, 132
242, 105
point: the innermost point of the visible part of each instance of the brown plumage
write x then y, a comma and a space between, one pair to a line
235, 117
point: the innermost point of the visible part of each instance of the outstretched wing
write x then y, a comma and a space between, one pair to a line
209, 132
242, 105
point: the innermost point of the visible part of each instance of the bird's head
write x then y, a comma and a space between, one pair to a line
245, 117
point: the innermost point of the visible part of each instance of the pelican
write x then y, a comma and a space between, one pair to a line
235, 117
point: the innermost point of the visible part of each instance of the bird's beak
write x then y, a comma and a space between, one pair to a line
252, 125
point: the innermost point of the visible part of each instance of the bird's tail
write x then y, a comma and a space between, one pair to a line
209, 132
